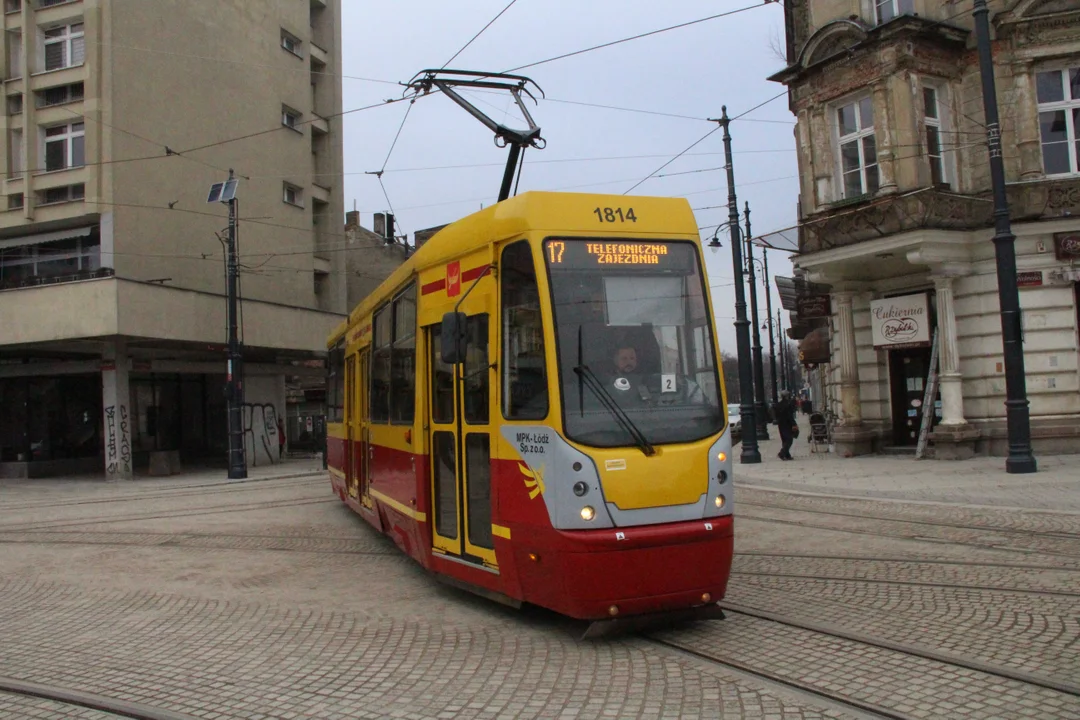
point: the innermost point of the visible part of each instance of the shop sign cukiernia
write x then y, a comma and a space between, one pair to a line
901, 322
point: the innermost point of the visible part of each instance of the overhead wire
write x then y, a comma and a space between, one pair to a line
478, 34
637, 37
701, 140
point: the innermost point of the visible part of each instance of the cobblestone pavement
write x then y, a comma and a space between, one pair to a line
980, 481
270, 599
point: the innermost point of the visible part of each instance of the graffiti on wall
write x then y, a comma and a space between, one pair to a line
117, 440
261, 434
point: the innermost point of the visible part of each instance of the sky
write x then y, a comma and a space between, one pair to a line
690, 72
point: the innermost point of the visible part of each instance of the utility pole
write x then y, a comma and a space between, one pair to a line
234, 386
768, 314
750, 453
1021, 459
760, 413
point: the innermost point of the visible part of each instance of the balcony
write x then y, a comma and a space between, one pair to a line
319, 56
319, 124
320, 194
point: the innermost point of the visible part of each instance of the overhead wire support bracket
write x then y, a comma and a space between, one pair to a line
446, 81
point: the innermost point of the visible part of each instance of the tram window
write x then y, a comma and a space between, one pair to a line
442, 381
335, 385
380, 365
403, 359
444, 459
477, 375
478, 475
523, 370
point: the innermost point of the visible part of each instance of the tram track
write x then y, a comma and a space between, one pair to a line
928, 561
93, 701
321, 499
806, 679
935, 523
218, 489
910, 535
911, 583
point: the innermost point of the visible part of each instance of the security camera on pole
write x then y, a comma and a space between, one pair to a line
234, 387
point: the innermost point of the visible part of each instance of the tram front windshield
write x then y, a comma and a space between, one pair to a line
635, 342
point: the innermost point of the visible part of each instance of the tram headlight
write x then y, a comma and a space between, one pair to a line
720, 501
722, 476
722, 456
587, 513
581, 488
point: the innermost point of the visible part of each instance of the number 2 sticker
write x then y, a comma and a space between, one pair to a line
667, 383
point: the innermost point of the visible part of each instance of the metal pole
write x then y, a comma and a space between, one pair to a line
768, 314
1021, 459
783, 352
760, 414
750, 453
234, 377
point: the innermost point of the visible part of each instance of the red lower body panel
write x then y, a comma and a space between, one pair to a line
583, 574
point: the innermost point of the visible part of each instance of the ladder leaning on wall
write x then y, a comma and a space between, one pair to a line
928, 405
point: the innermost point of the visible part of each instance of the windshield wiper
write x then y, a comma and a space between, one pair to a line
588, 378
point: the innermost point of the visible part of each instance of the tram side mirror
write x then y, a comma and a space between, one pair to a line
453, 338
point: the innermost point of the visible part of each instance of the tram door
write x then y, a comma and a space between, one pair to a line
461, 434
363, 428
352, 481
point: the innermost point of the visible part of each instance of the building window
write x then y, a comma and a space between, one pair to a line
293, 195
65, 146
292, 43
60, 95
858, 148
12, 6
935, 122
888, 9
14, 58
15, 201
50, 3
58, 259
15, 104
289, 117
66, 193
1059, 120
16, 155
64, 47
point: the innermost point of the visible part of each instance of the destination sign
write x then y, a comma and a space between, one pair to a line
585, 253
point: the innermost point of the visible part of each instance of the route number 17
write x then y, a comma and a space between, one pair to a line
615, 214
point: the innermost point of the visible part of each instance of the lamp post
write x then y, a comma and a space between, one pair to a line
1021, 459
783, 352
750, 453
760, 414
768, 314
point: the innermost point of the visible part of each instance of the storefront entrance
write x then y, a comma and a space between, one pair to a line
908, 372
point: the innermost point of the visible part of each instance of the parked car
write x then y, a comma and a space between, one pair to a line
735, 422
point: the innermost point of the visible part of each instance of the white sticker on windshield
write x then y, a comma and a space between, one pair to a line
667, 383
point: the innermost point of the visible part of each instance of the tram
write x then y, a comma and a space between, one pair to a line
531, 408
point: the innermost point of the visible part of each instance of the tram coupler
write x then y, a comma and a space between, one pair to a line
651, 621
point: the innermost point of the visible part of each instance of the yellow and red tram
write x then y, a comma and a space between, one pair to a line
531, 407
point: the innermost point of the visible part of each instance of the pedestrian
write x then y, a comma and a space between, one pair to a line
785, 423
281, 438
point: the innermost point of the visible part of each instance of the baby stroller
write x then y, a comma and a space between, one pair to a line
819, 432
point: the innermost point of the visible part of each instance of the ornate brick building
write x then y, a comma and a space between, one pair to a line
896, 213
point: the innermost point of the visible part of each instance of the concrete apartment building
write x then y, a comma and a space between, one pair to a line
112, 290
895, 215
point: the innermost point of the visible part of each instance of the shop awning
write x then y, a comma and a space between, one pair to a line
47, 237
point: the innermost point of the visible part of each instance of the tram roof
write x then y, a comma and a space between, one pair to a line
555, 212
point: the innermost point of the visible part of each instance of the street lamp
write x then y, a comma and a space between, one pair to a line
768, 313
225, 192
759, 372
1021, 459
750, 454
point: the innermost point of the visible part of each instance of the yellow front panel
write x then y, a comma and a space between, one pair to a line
676, 475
